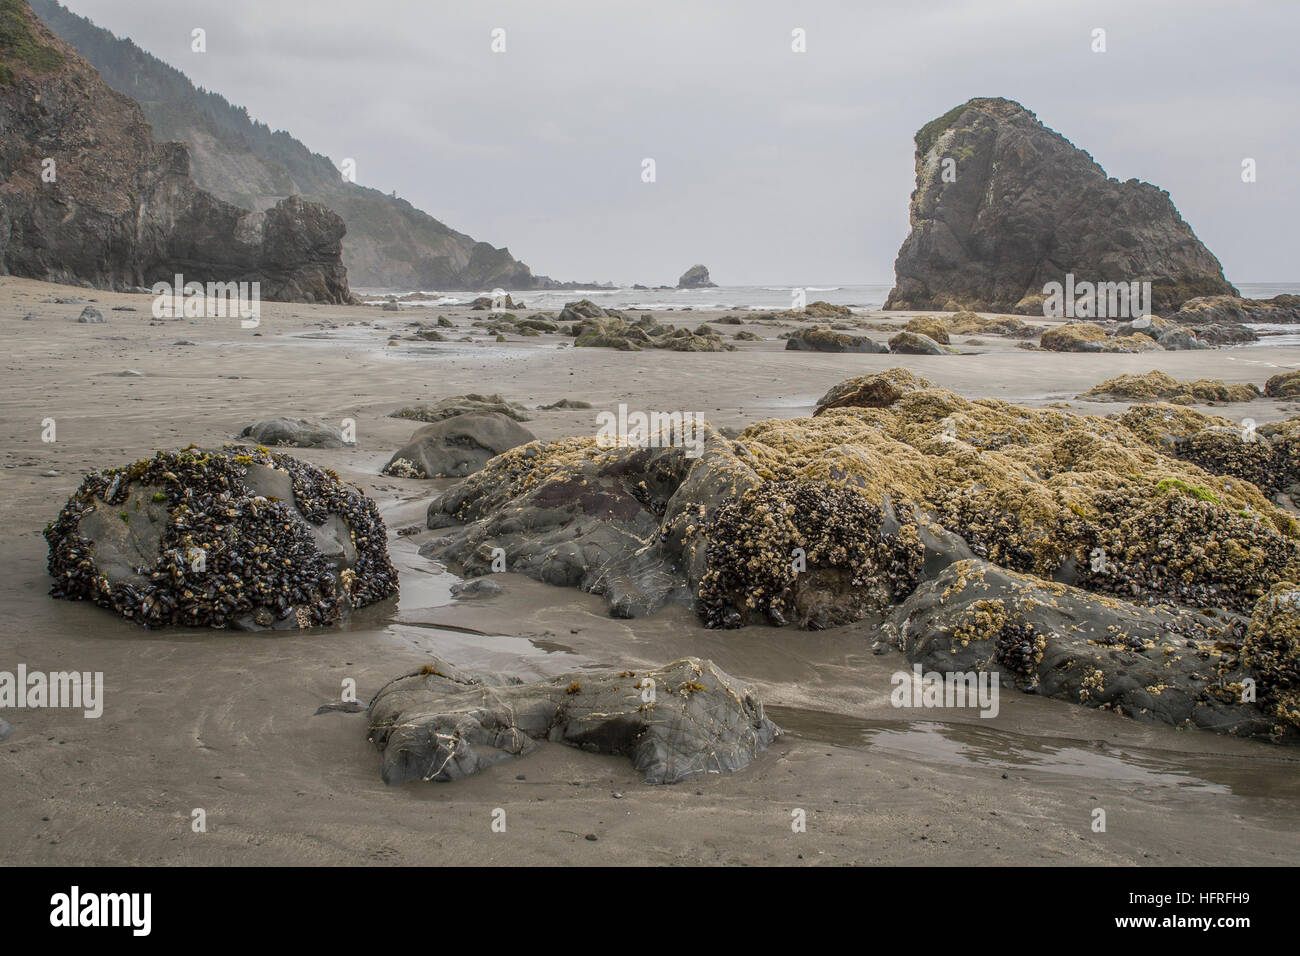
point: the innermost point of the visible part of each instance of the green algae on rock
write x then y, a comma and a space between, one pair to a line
239, 537
1156, 386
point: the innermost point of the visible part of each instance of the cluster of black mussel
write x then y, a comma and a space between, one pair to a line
260, 564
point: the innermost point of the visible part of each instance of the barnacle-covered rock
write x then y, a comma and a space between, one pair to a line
1272, 650
1155, 386
674, 722
1102, 503
1165, 664
237, 537
811, 552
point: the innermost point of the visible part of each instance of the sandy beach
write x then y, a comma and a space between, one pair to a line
227, 722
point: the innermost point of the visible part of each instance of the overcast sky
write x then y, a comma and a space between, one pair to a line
772, 167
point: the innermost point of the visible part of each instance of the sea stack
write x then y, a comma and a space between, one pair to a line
1003, 205
696, 277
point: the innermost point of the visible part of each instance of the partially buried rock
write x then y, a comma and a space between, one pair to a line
1090, 337
6, 729
457, 446
462, 405
1157, 386
478, 587
91, 315
914, 343
296, 432
823, 339
239, 537
674, 722
1283, 385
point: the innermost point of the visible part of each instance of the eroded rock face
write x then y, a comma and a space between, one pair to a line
122, 210
457, 446
1149, 663
239, 538
1025, 208
674, 722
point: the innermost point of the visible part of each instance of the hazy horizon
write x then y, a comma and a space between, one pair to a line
773, 167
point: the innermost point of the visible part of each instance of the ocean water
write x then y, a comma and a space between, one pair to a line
751, 297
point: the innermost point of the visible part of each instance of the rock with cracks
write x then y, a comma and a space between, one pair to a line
673, 722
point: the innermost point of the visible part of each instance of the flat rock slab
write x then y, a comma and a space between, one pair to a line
673, 722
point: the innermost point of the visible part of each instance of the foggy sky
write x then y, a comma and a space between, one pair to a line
773, 167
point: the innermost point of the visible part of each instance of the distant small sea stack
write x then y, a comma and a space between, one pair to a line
1003, 205
696, 277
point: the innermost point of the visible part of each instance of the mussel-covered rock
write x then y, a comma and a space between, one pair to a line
674, 722
238, 537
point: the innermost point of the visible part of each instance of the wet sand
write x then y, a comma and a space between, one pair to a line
226, 722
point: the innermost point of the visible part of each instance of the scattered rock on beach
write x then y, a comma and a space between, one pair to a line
1157, 386
823, 339
457, 446
462, 405
296, 432
91, 315
674, 722
914, 343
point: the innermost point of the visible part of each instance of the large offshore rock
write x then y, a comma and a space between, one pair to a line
1025, 208
674, 722
696, 277
121, 210
1149, 663
457, 446
238, 537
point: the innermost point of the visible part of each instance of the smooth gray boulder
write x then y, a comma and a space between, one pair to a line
456, 447
296, 432
673, 722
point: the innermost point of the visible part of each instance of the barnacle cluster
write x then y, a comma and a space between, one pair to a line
810, 551
1272, 650
207, 548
